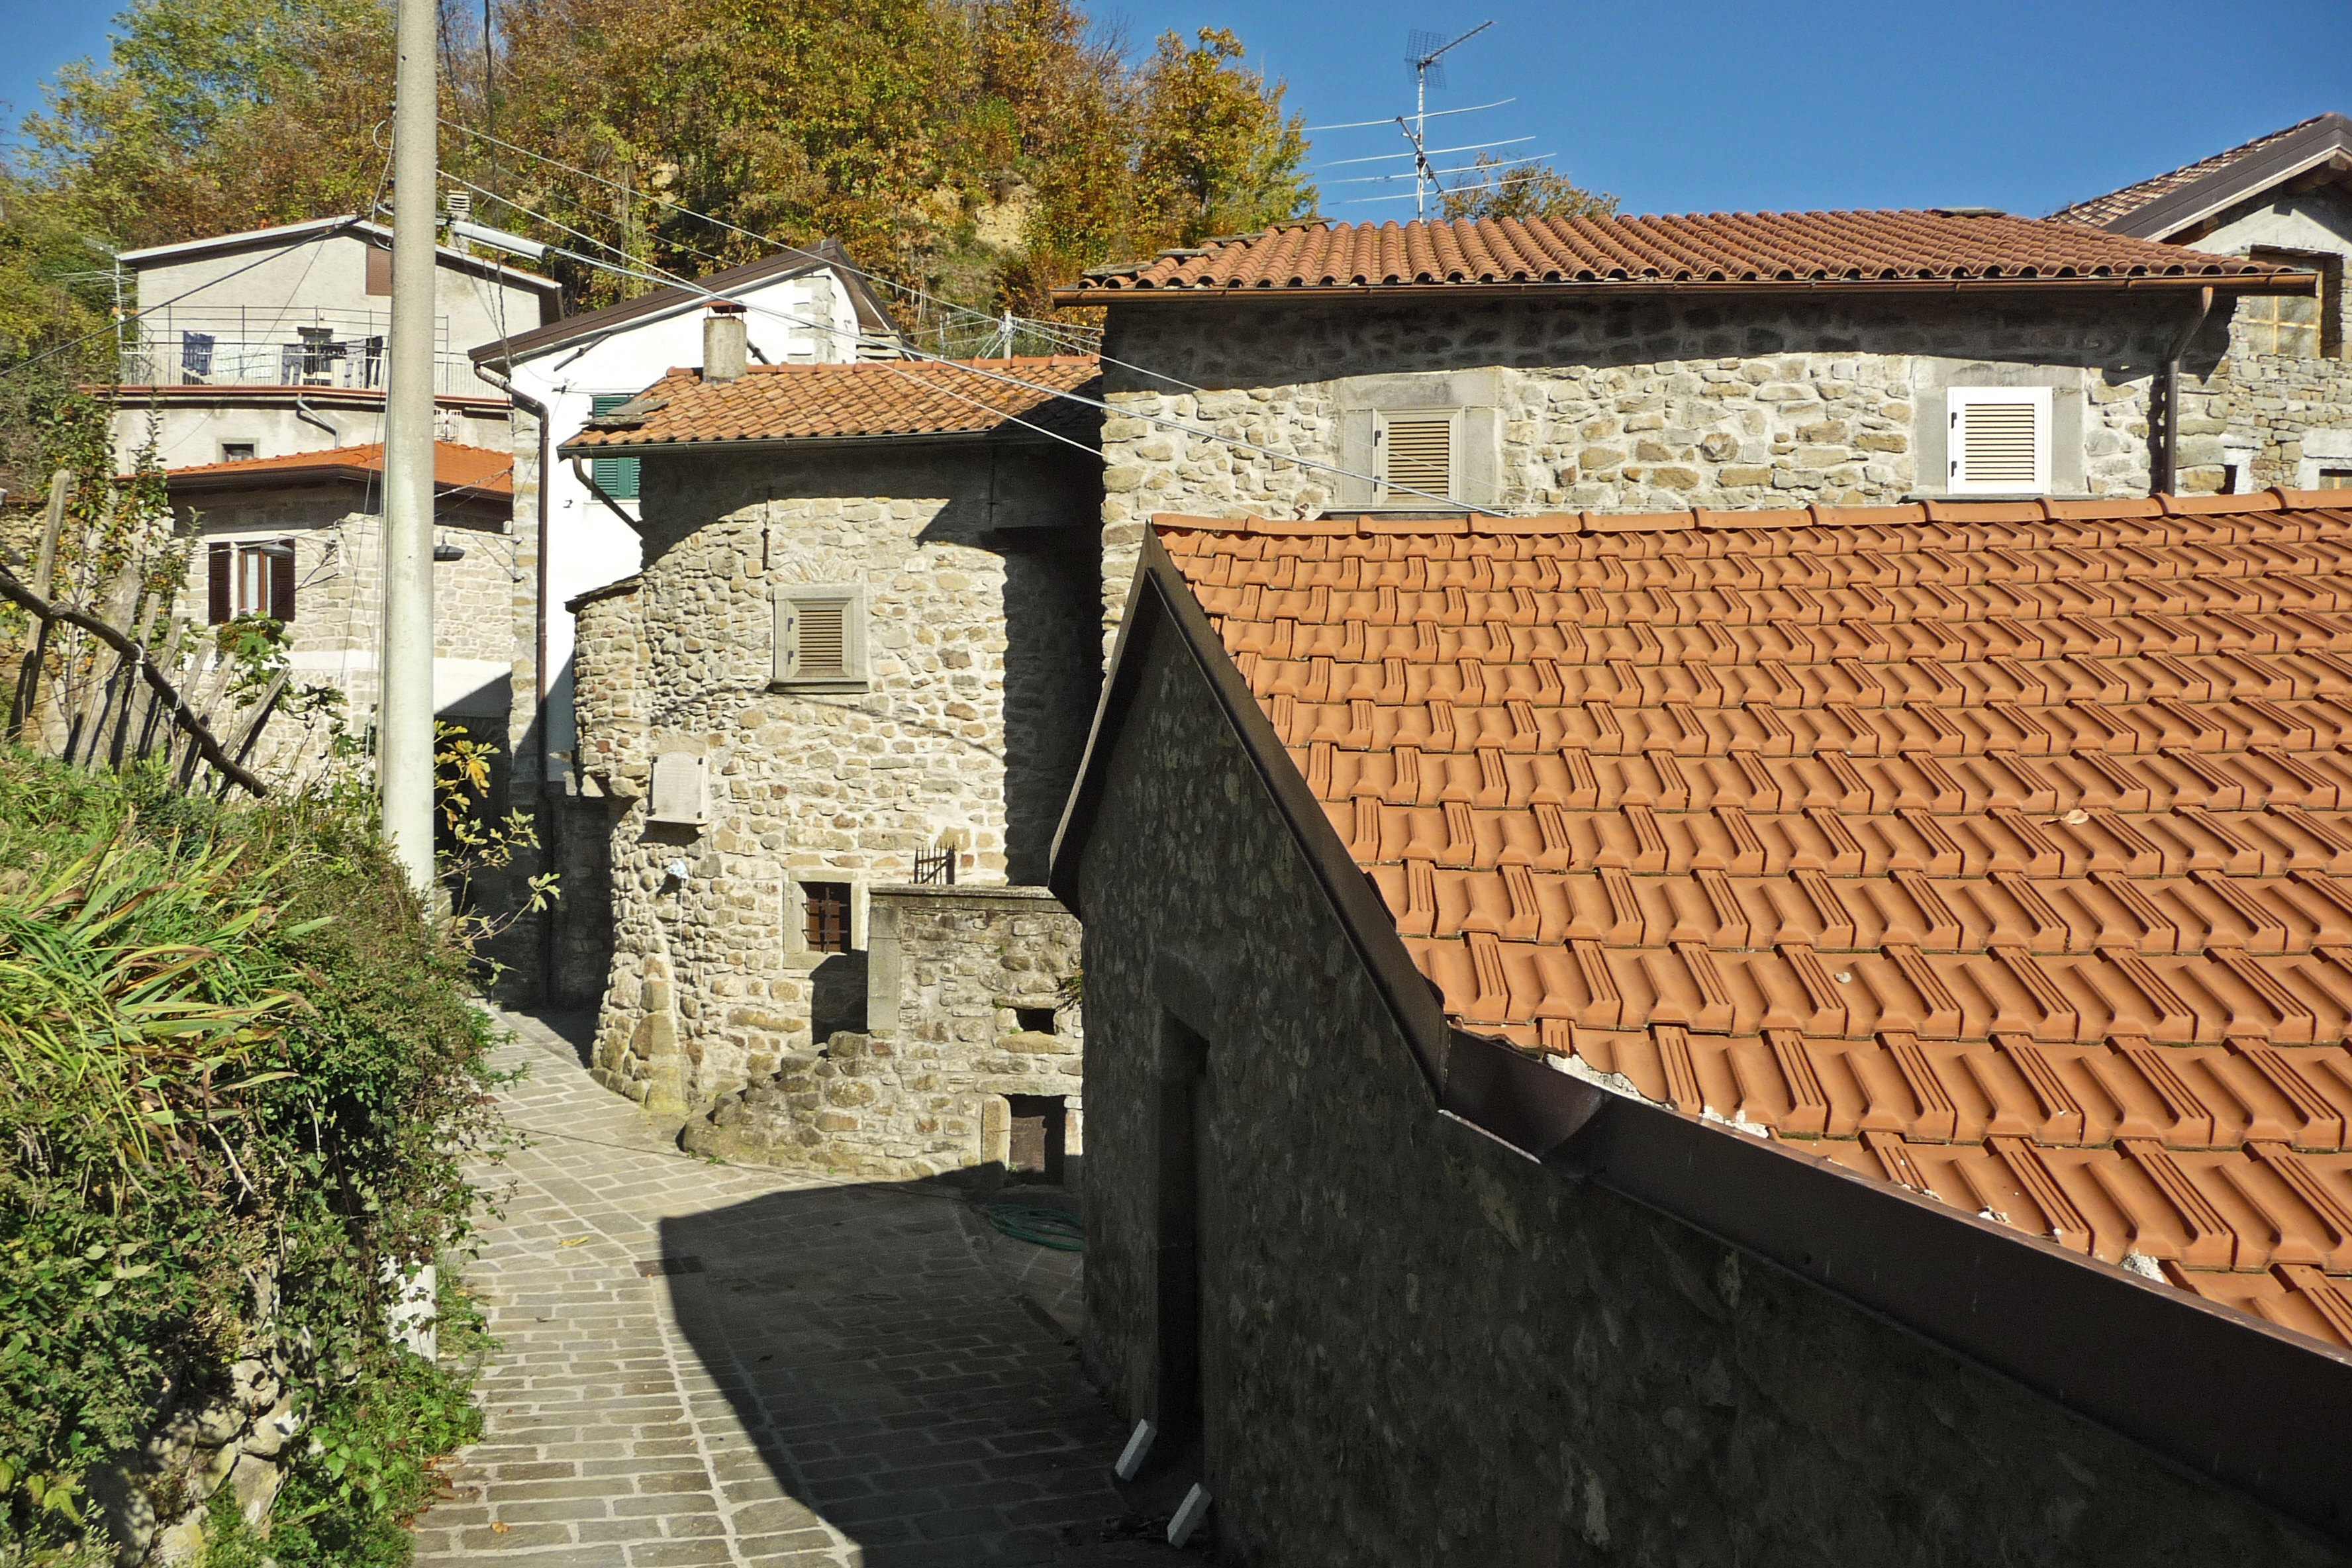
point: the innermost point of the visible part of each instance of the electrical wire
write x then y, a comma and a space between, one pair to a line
1044, 328
975, 368
1083, 339
268, 256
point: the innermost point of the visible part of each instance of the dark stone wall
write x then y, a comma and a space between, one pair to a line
1419, 1347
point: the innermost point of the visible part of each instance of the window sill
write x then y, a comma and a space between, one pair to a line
820, 686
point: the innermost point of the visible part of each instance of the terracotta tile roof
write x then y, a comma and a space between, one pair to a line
475, 470
1858, 248
2000, 851
2116, 206
877, 397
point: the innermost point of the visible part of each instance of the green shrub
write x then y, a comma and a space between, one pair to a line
232, 1052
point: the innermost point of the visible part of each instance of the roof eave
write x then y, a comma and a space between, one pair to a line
2070, 1330
706, 446
2225, 187
2266, 283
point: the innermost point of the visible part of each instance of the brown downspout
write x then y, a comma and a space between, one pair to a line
2166, 479
549, 813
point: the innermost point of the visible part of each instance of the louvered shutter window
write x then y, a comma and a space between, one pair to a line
220, 561
281, 580
1417, 455
617, 477
1999, 441
819, 636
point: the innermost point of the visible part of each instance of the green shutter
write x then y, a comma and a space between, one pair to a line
617, 477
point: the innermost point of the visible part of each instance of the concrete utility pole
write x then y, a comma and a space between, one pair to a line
405, 716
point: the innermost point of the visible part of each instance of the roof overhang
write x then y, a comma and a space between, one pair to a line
664, 303
2325, 145
2239, 1398
754, 446
289, 235
1612, 291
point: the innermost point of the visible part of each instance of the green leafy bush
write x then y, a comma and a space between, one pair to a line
238, 1072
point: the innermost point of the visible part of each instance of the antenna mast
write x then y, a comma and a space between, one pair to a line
1426, 48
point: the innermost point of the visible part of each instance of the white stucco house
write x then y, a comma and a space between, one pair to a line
271, 342
800, 306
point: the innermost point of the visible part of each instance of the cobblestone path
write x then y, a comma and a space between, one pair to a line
832, 1372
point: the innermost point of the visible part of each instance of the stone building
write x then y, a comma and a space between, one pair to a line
1708, 1037
861, 655
1725, 362
2273, 405
299, 539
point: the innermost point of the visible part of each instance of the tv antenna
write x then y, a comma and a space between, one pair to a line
1426, 50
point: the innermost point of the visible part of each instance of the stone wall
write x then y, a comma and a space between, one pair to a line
921, 1088
2244, 423
1658, 405
1420, 1347
155, 1503
979, 571
336, 634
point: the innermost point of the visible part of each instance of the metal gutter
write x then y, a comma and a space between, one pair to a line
2212, 1393
2165, 479
2230, 283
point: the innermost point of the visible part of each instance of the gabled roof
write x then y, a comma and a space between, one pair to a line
292, 234
469, 470
1013, 398
873, 316
1873, 251
1999, 852
2165, 204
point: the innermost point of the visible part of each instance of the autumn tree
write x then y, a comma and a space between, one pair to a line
1492, 188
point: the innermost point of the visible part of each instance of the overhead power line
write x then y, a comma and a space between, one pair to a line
1004, 378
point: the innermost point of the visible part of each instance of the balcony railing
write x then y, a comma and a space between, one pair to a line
200, 359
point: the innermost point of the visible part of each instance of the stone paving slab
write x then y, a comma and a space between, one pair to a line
843, 1376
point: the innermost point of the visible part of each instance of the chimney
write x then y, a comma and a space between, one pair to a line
724, 348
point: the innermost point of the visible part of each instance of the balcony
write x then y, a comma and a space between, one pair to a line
236, 347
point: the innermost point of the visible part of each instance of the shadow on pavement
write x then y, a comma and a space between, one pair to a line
897, 1384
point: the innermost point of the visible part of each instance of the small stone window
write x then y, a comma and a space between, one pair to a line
819, 638
1413, 455
2335, 479
239, 451
828, 907
1033, 1020
2000, 440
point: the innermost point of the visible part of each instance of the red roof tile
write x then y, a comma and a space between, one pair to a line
1860, 249
2116, 206
2000, 851
875, 397
454, 467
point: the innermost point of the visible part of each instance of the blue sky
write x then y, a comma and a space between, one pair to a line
1705, 104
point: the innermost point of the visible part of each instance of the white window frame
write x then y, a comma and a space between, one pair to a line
786, 599
1381, 419
1958, 400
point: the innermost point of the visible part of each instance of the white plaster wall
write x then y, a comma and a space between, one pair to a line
329, 273
190, 432
589, 546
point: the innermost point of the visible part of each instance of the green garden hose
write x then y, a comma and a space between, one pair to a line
1044, 1227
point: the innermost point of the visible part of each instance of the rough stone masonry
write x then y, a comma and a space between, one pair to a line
972, 571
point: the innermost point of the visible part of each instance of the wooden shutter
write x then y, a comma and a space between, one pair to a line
281, 580
220, 561
379, 271
1420, 455
617, 477
824, 642
828, 916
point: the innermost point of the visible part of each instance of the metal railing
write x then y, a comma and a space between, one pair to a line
201, 360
